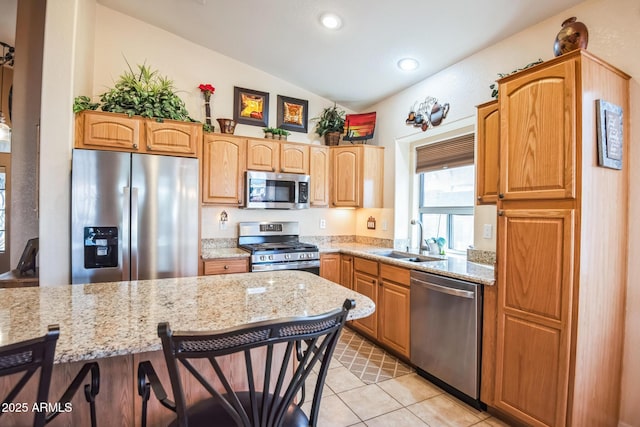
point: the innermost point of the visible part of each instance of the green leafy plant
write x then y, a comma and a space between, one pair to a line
144, 93
331, 120
494, 86
81, 103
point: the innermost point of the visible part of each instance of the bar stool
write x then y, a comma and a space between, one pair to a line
38, 353
270, 402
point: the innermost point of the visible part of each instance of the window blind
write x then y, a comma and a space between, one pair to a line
449, 153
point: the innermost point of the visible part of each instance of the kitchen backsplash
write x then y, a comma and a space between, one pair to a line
481, 257
217, 243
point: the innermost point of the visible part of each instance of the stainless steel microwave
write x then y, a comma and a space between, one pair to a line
268, 190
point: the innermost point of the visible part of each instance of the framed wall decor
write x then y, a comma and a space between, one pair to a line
292, 114
250, 107
609, 134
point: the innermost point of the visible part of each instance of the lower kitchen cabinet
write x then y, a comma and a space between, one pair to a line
225, 266
388, 288
393, 300
346, 271
330, 267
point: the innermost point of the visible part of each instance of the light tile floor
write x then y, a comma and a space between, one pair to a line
366, 386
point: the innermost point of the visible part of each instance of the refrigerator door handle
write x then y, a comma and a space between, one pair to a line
126, 254
134, 233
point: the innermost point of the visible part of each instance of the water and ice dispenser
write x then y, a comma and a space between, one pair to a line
100, 247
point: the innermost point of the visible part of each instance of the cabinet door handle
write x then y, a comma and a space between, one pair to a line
479, 197
500, 213
148, 146
501, 195
135, 146
226, 267
273, 169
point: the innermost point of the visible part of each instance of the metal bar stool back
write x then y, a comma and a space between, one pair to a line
29, 356
306, 342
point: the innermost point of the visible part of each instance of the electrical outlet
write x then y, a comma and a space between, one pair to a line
384, 225
323, 224
487, 231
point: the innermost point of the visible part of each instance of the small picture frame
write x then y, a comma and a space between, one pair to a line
609, 134
293, 114
250, 107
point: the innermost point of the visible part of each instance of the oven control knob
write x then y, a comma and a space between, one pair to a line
262, 257
287, 256
270, 257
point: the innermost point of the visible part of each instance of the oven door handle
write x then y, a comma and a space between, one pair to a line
443, 289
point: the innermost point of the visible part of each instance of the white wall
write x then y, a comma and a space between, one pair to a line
613, 35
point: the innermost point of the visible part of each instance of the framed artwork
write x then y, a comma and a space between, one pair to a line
609, 134
359, 127
250, 107
292, 114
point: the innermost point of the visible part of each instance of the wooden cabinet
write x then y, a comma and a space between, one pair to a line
558, 305
538, 125
487, 140
226, 266
178, 139
99, 130
107, 131
388, 287
357, 176
346, 271
223, 167
532, 357
274, 156
330, 267
263, 155
393, 300
294, 158
319, 171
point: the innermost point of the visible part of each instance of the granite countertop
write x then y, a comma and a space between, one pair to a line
455, 266
117, 318
213, 253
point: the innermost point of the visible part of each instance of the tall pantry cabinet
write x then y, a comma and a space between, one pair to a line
561, 248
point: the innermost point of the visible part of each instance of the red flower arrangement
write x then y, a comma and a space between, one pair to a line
207, 90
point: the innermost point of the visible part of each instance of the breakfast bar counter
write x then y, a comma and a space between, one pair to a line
108, 319
115, 324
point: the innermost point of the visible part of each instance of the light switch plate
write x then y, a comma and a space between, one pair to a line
487, 231
323, 224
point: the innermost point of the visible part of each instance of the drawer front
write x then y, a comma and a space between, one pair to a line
365, 266
395, 274
226, 266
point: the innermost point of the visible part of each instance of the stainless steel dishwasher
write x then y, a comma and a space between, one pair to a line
446, 333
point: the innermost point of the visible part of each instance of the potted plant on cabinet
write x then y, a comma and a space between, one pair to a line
331, 124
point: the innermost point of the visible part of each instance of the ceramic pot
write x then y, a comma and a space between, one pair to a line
573, 35
227, 125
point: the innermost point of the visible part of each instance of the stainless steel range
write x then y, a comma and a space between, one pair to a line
276, 246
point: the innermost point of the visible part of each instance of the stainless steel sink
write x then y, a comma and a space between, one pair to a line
405, 256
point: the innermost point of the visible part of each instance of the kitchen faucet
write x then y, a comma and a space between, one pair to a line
420, 244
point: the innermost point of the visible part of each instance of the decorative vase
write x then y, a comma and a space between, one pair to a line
573, 35
227, 125
332, 138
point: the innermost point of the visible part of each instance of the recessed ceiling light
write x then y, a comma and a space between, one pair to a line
407, 64
331, 21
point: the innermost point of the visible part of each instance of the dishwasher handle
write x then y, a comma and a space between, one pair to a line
443, 289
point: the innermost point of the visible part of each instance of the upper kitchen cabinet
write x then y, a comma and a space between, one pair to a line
172, 138
538, 116
98, 130
294, 158
263, 155
319, 171
487, 143
224, 160
273, 156
358, 176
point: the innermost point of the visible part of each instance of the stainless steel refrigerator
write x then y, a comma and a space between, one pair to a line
133, 216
